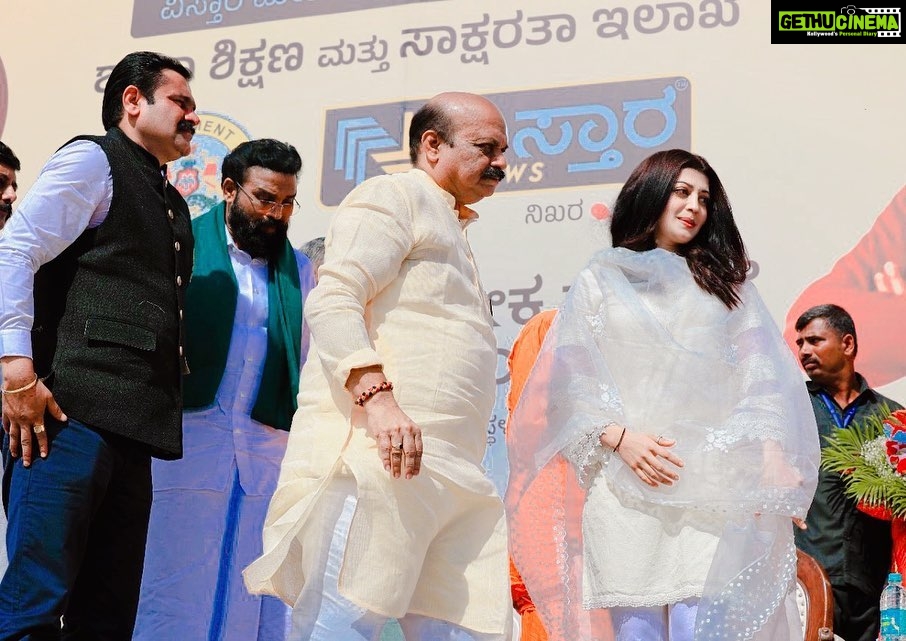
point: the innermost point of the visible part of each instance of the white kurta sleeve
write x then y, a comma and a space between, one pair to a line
369, 238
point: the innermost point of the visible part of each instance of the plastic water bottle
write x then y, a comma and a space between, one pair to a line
893, 609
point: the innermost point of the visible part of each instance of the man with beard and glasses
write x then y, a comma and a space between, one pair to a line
853, 547
244, 344
9, 165
382, 508
93, 270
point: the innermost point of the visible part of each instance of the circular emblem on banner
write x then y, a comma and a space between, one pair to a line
197, 176
4, 95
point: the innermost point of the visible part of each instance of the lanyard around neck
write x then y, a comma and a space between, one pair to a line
840, 420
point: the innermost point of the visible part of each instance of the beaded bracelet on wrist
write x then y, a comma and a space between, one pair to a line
386, 386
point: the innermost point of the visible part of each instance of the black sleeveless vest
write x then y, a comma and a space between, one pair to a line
108, 310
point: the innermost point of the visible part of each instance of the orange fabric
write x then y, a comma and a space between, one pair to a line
525, 351
556, 485
522, 602
532, 626
520, 362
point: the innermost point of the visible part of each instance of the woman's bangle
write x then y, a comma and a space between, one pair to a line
371, 391
25, 388
620, 442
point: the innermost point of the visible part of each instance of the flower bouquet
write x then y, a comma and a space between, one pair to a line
871, 456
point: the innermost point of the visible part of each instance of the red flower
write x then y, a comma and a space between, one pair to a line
875, 510
897, 422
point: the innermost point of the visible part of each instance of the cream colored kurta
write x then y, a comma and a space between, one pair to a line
398, 288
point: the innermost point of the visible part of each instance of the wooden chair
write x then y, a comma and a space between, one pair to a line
814, 598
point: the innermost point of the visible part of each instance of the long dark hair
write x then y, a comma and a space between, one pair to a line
716, 256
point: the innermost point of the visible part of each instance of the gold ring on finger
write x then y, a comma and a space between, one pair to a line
38, 429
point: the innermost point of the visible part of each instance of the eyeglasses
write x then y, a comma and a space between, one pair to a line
269, 206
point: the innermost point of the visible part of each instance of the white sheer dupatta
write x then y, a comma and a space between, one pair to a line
638, 343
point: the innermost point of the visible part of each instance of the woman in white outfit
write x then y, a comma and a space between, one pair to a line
665, 382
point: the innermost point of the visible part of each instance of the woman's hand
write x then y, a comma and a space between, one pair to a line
797, 522
647, 455
777, 472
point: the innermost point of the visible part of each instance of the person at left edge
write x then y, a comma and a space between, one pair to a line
9, 165
244, 343
93, 271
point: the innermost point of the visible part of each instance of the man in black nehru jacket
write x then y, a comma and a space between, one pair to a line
93, 269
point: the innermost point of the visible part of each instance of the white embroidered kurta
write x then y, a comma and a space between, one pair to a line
638, 343
644, 560
399, 288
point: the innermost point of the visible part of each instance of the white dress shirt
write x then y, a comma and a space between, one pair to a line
225, 431
72, 194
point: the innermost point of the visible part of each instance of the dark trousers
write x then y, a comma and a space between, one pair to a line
78, 521
857, 615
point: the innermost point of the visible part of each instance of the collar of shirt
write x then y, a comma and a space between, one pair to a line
861, 384
465, 214
139, 151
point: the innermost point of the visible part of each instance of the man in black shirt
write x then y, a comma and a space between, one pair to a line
853, 547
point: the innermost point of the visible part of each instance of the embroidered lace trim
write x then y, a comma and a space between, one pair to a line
648, 601
588, 455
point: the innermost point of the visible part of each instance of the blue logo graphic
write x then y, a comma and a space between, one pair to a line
355, 138
560, 137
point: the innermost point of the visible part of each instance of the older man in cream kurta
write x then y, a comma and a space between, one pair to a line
388, 482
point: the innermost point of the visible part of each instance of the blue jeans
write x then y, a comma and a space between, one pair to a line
78, 521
